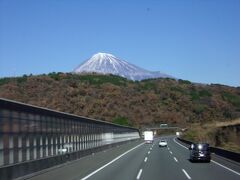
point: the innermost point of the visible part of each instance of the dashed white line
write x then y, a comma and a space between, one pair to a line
99, 169
186, 174
175, 159
148, 152
150, 148
145, 160
139, 174
170, 152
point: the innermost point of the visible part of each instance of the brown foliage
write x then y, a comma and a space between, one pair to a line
148, 102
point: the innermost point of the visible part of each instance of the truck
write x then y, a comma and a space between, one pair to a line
178, 134
148, 136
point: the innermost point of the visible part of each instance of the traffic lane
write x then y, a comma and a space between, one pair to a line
161, 165
226, 162
199, 170
220, 162
80, 168
126, 167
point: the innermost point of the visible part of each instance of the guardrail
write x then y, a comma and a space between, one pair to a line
34, 138
218, 151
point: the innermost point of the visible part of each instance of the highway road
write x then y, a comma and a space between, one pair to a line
137, 160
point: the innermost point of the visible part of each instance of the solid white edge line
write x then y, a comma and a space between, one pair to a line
225, 167
179, 143
99, 169
145, 160
186, 174
211, 160
139, 174
175, 159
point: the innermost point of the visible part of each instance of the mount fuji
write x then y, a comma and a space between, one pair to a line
104, 63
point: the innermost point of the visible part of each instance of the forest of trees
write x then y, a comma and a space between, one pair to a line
116, 99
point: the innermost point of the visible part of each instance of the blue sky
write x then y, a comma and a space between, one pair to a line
197, 40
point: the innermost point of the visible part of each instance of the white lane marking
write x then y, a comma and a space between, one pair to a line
148, 152
179, 143
168, 148
175, 159
170, 152
150, 148
226, 167
211, 160
145, 160
139, 174
99, 169
186, 174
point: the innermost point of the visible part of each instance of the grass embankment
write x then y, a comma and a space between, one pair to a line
219, 134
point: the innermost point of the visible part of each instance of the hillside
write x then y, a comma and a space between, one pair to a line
219, 134
116, 99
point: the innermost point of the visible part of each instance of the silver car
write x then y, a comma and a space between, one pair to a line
162, 143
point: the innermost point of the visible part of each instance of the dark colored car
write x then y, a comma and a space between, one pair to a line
200, 152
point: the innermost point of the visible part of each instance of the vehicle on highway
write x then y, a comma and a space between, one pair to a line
162, 143
200, 152
148, 136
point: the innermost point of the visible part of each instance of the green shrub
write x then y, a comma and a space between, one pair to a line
177, 89
54, 76
233, 99
4, 81
184, 81
204, 93
198, 108
148, 85
227, 114
190, 135
102, 79
21, 80
194, 95
121, 121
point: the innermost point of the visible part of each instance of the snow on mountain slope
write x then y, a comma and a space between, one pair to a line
104, 63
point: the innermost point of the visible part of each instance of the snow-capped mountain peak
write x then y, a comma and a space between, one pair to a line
105, 63
101, 55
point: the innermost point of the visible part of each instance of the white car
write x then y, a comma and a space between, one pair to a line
162, 143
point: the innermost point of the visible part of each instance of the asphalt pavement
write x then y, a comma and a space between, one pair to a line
137, 160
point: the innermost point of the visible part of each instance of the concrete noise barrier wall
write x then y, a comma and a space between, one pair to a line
34, 138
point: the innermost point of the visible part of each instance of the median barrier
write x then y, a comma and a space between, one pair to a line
227, 154
218, 151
